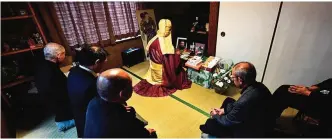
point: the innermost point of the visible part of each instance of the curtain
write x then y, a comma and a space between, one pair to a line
96, 23
123, 17
45, 13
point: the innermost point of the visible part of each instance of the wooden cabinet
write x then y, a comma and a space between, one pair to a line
19, 24
22, 41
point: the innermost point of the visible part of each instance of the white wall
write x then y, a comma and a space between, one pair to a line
249, 28
302, 49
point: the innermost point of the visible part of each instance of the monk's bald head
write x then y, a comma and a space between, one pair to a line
245, 71
114, 85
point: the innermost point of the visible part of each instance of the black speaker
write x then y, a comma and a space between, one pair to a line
132, 56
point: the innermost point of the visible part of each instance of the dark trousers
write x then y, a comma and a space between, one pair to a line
213, 128
283, 99
311, 107
227, 101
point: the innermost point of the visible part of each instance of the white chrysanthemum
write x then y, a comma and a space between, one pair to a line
222, 71
225, 78
220, 84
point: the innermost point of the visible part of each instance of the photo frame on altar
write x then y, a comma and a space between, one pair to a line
199, 49
181, 43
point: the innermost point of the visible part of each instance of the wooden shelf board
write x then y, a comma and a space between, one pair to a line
17, 82
16, 17
20, 51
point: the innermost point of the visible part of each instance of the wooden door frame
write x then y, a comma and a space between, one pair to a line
213, 28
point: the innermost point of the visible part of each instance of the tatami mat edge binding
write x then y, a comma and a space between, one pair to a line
175, 97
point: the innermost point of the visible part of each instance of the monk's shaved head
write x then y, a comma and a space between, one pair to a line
114, 85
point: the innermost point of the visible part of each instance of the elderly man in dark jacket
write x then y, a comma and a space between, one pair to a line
249, 115
82, 82
52, 84
313, 101
107, 114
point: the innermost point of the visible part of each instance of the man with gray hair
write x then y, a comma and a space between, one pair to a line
246, 117
52, 84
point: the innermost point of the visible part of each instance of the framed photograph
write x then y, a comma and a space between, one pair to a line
192, 48
199, 49
181, 43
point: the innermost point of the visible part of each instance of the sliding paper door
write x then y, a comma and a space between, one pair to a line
248, 28
302, 49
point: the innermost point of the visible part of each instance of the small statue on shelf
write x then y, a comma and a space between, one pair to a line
23, 12
193, 28
38, 38
199, 27
31, 43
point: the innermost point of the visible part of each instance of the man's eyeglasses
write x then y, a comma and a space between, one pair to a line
232, 76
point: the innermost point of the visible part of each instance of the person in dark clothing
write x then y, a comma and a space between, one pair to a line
82, 82
313, 101
249, 115
52, 84
107, 115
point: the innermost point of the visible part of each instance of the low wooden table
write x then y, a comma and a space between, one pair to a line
197, 74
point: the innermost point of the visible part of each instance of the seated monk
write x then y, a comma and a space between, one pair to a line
165, 74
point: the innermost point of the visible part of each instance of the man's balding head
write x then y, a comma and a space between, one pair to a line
114, 85
245, 73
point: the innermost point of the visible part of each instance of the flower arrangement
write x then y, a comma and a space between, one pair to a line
221, 80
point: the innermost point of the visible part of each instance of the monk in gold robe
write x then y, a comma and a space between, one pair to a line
165, 74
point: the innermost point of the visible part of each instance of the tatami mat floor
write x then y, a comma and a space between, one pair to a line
170, 117
46, 129
200, 97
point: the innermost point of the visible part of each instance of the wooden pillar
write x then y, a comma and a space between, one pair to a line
213, 28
